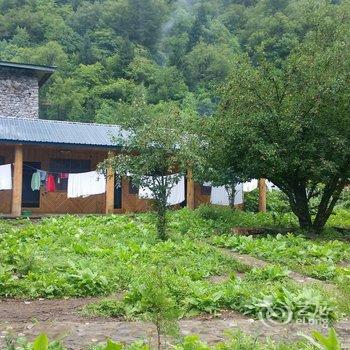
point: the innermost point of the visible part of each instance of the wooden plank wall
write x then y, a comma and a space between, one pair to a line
200, 198
6, 196
132, 202
55, 202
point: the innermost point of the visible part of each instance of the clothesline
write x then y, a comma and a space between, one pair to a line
92, 183
48, 171
31, 167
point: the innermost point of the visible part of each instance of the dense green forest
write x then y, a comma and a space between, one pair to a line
113, 55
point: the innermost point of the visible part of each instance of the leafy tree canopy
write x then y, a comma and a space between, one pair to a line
168, 50
288, 120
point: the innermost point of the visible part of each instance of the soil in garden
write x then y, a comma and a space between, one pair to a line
14, 311
62, 320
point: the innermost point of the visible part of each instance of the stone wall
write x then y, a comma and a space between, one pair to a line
19, 94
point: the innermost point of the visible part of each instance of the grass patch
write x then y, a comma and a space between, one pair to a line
315, 258
251, 297
89, 256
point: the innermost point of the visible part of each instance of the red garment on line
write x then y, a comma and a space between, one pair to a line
50, 184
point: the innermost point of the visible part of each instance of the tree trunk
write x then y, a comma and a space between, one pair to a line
299, 202
329, 199
231, 190
305, 221
161, 209
300, 206
161, 222
159, 339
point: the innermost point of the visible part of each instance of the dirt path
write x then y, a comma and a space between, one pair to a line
81, 334
60, 319
42, 310
257, 263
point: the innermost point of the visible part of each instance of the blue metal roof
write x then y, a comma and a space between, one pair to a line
34, 131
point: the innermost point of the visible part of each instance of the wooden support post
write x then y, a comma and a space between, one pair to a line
17, 182
262, 195
191, 203
110, 189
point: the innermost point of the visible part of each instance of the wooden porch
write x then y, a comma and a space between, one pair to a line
13, 202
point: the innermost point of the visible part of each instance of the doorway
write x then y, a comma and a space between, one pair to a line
30, 199
117, 195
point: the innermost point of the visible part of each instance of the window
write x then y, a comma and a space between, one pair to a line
205, 190
2, 160
133, 189
72, 166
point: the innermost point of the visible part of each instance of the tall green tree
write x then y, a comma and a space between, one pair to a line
289, 122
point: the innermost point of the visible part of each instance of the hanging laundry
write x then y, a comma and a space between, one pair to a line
220, 196
5, 177
175, 196
43, 175
145, 192
177, 193
253, 184
86, 184
250, 186
50, 184
63, 176
36, 181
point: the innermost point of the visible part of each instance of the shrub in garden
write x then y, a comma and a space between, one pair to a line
276, 201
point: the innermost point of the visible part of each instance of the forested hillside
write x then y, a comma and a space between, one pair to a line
114, 56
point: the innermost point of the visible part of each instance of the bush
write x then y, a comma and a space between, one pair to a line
276, 201
215, 213
344, 200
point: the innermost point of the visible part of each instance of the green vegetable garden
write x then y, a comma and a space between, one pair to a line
121, 260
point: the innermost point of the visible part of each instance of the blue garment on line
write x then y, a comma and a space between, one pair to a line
43, 175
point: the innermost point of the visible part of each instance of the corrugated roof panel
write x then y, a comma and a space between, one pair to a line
58, 132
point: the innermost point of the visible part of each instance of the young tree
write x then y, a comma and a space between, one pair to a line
159, 305
212, 166
289, 122
156, 149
